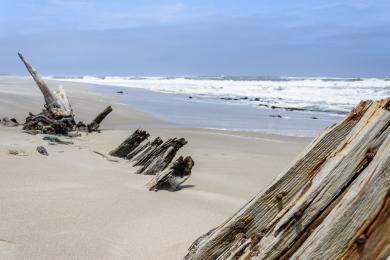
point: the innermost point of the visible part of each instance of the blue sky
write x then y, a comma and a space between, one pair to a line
199, 37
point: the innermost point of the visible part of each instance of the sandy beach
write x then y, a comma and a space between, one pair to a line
74, 204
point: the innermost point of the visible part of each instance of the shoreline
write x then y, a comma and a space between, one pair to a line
185, 112
76, 203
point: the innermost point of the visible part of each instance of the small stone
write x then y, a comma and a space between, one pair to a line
119, 92
42, 150
13, 152
313, 117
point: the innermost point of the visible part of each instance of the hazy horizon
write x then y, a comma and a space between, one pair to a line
173, 38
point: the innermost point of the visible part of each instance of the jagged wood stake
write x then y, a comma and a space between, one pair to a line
160, 157
333, 203
95, 124
172, 177
131, 143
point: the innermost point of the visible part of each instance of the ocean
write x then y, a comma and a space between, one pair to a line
245, 103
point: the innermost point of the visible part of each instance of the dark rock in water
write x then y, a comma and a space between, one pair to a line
42, 150
263, 105
274, 107
190, 97
278, 116
313, 117
119, 92
244, 98
257, 99
226, 98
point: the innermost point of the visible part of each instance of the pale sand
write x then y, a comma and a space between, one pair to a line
74, 204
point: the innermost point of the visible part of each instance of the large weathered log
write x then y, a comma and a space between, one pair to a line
299, 213
161, 157
95, 124
57, 103
130, 143
172, 177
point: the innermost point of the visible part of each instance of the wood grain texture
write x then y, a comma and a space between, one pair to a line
306, 210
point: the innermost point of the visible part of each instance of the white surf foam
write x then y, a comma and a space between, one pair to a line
316, 94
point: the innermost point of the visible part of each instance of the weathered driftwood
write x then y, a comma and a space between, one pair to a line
144, 149
172, 177
57, 103
57, 116
160, 158
332, 203
144, 153
132, 142
95, 124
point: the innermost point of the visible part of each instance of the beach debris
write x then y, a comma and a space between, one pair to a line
160, 157
105, 156
130, 143
153, 157
42, 150
55, 139
172, 177
333, 203
13, 151
57, 116
144, 149
9, 122
278, 116
17, 152
94, 125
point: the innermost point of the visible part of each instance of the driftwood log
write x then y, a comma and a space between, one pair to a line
332, 203
57, 116
173, 176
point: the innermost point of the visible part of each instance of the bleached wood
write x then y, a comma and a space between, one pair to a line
258, 213
309, 212
57, 103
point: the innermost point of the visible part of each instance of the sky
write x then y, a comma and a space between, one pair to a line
349, 38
